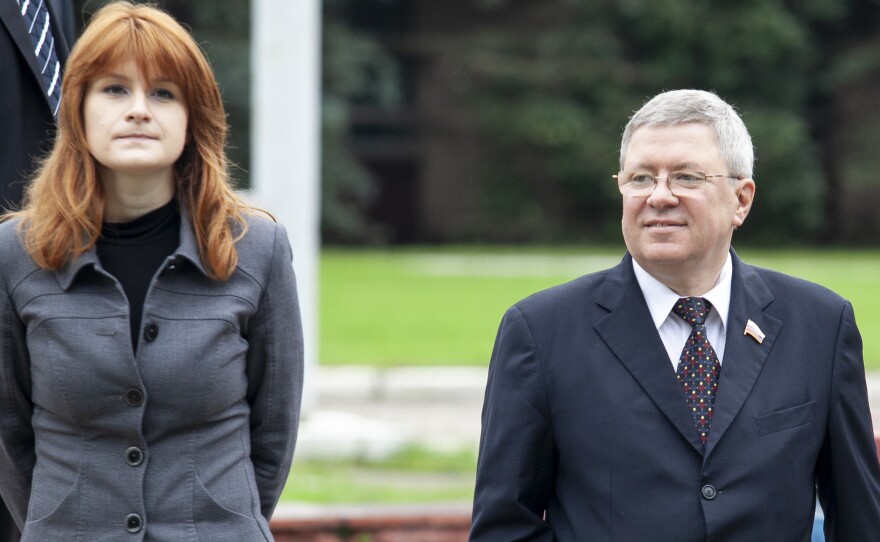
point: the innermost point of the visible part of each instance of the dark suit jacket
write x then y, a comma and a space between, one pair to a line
26, 123
586, 436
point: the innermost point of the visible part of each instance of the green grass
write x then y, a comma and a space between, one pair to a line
413, 475
854, 274
443, 306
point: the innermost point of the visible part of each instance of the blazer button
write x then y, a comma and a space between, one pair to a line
708, 492
133, 523
151, 332
134, 456
134, 397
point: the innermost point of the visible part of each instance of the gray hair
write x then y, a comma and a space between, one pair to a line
682, 106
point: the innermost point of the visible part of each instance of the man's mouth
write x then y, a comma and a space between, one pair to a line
663, 224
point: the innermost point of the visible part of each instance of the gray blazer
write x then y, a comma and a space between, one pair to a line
189, 440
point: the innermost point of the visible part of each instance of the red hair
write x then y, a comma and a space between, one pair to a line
64, 204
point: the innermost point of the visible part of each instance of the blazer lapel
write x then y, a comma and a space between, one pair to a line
743, 356
630, 333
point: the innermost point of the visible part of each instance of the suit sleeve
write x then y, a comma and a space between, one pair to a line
848, 472
516, 464
275, 376
17, 455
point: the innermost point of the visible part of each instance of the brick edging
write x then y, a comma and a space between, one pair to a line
381, 523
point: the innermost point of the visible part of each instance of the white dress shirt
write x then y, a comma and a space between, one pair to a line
673, 330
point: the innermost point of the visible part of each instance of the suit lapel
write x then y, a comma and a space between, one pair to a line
743, 356
14, 24
62, 26
630, 333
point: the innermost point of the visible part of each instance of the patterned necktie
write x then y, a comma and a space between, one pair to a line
698, 366
36, 19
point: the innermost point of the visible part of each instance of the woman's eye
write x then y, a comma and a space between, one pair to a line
115, 90
163, 94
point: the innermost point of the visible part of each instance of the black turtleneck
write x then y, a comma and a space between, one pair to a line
133, 251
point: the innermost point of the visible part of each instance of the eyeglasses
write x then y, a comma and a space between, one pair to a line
642, 183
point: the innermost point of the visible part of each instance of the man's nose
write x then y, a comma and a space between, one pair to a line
661, 195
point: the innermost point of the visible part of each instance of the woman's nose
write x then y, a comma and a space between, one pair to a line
138, 107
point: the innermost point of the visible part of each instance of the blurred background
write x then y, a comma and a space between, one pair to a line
499, 121
467, 148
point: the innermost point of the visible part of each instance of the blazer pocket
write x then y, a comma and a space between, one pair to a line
786, 419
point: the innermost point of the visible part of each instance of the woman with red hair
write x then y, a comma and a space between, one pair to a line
150, 338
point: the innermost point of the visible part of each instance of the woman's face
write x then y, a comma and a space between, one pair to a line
134, 127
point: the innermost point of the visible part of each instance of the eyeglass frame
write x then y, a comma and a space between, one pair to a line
705, 179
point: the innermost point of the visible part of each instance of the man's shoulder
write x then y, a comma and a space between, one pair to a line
577, 292
797, 291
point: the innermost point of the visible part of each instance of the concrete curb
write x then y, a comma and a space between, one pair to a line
298, 511
352, 383
370, 413
400, 383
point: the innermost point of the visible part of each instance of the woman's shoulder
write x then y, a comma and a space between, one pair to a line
15, 259
10, 235
264, 242
262, 231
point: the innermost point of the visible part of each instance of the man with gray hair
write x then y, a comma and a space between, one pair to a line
683, 395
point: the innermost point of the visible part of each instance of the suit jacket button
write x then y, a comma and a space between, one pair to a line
133, 523
134, 456
151, 331
708, 492
134, 397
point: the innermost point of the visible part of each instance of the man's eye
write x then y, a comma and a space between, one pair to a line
686, 177
642, 179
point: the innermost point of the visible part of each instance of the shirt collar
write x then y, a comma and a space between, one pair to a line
188, 250
660, 298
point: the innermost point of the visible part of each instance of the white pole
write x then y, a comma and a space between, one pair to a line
285, 142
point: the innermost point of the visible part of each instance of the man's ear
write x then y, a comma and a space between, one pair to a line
745, 194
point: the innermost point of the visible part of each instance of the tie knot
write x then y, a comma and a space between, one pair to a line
693, 310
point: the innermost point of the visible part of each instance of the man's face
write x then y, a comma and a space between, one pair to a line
678, 238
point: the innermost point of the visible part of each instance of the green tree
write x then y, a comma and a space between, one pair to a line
358, 70
552, 84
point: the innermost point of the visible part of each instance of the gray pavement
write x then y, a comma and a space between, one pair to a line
370, 412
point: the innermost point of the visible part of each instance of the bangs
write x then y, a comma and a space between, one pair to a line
160, 50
